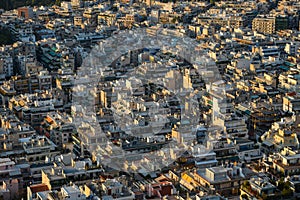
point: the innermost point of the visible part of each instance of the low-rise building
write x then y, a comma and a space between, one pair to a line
280, 135
37, 148
257, 187
72, 192
116, 190
221, 180
287, 162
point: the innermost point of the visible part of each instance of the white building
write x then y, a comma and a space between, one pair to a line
6, 63
223, 115
72, 192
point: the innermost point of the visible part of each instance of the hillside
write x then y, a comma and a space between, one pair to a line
12, 4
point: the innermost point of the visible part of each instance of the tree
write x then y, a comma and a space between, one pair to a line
78, 60
246, 184
285, 187
57, 2
264, 196
244, 196
287, 192
5, 36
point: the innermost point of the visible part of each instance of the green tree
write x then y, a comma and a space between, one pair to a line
5, 36
246, 184
244, 196
264, 196
287, 192
57, 2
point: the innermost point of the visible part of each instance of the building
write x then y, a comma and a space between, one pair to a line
44, 80
6, 64
280, 135
221, 180
207, 159
10, 189
257, 187
223, 115
72, 192
116, 190
261, 186
224, 148
160, 190
25, 12
76, 4
7, 91
264, 25
27, 64
291, 103
269, 51
281, 22
58, 128
32, 190
295, 183
38, 148
247, 150
288, 162
15, 132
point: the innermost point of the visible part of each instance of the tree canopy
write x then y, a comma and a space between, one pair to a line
5, 36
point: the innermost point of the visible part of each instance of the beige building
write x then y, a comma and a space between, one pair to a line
221, 180
288, 161
264, 25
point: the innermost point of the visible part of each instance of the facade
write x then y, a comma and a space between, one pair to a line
6, 65
72, 192
264, 25
225, 181
287, 162
37, 148
25, 12
258, 186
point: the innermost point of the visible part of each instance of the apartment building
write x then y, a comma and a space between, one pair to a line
221, 180
264, 24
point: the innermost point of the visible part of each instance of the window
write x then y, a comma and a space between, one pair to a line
23, 14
